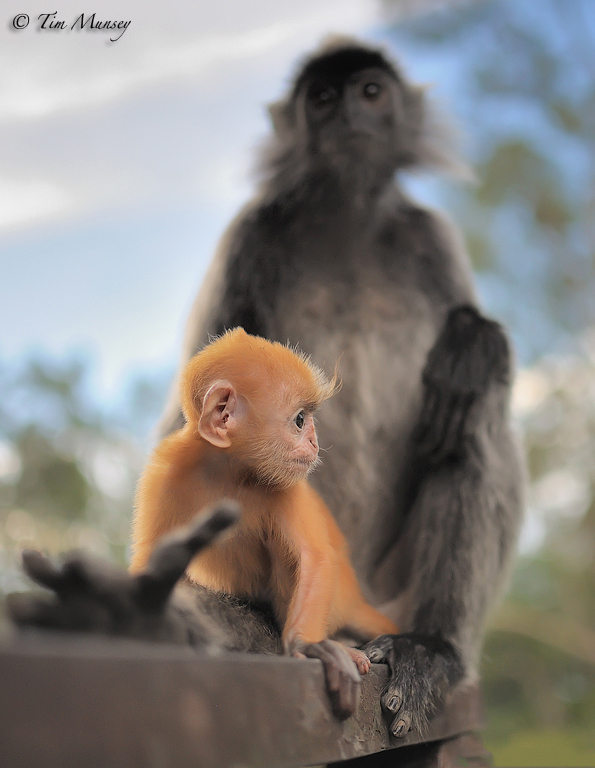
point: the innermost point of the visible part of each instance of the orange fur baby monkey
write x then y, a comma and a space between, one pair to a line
250, 436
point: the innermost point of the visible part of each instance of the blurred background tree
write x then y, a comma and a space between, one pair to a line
522, 80
67, 469
520, 76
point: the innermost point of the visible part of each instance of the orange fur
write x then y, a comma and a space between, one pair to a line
240, 442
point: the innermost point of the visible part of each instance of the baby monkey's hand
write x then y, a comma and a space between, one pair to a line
342, 668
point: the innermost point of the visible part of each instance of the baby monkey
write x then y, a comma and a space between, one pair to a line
249, 435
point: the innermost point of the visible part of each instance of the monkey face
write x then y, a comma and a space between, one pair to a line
362, 104
254, 400
352, 117
302, 439
283, 447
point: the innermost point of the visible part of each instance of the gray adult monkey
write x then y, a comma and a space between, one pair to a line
422, 473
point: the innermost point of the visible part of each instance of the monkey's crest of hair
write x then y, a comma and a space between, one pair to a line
425, 138
256, 367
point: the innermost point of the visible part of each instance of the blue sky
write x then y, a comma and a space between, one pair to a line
121, 164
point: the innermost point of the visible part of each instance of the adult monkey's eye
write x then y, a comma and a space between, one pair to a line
322, 95
372, 91
300, 420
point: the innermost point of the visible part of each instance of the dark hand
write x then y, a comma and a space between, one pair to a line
91, 595
470, 354
422, 670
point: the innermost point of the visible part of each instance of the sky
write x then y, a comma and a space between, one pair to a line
122, 162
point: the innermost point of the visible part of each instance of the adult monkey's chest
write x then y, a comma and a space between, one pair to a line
379, 331
351, 295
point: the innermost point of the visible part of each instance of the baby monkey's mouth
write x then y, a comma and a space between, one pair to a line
307, 465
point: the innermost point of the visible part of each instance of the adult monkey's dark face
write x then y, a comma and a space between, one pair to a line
351, 112
351, 103
346, 95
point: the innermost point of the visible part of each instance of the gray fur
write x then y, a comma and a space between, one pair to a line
422, 471
93, 596
331, 255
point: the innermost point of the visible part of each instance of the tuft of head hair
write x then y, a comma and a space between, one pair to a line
339, 58
426, 138
257, 368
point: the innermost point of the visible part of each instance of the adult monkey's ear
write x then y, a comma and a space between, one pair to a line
220, 415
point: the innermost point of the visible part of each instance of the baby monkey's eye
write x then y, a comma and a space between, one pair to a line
300, 420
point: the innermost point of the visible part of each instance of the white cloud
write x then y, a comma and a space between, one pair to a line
25, 202
74, 109
47, 71
101, 142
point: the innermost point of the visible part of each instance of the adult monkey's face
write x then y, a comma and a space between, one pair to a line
350, 106
361, 104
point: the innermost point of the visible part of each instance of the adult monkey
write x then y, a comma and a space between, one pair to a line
424, 476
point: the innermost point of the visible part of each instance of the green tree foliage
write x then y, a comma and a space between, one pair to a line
539, 661
67, 470
523, 86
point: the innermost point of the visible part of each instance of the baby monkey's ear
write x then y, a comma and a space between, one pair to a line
220, 416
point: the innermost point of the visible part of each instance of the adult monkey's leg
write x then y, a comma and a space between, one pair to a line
462, 525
